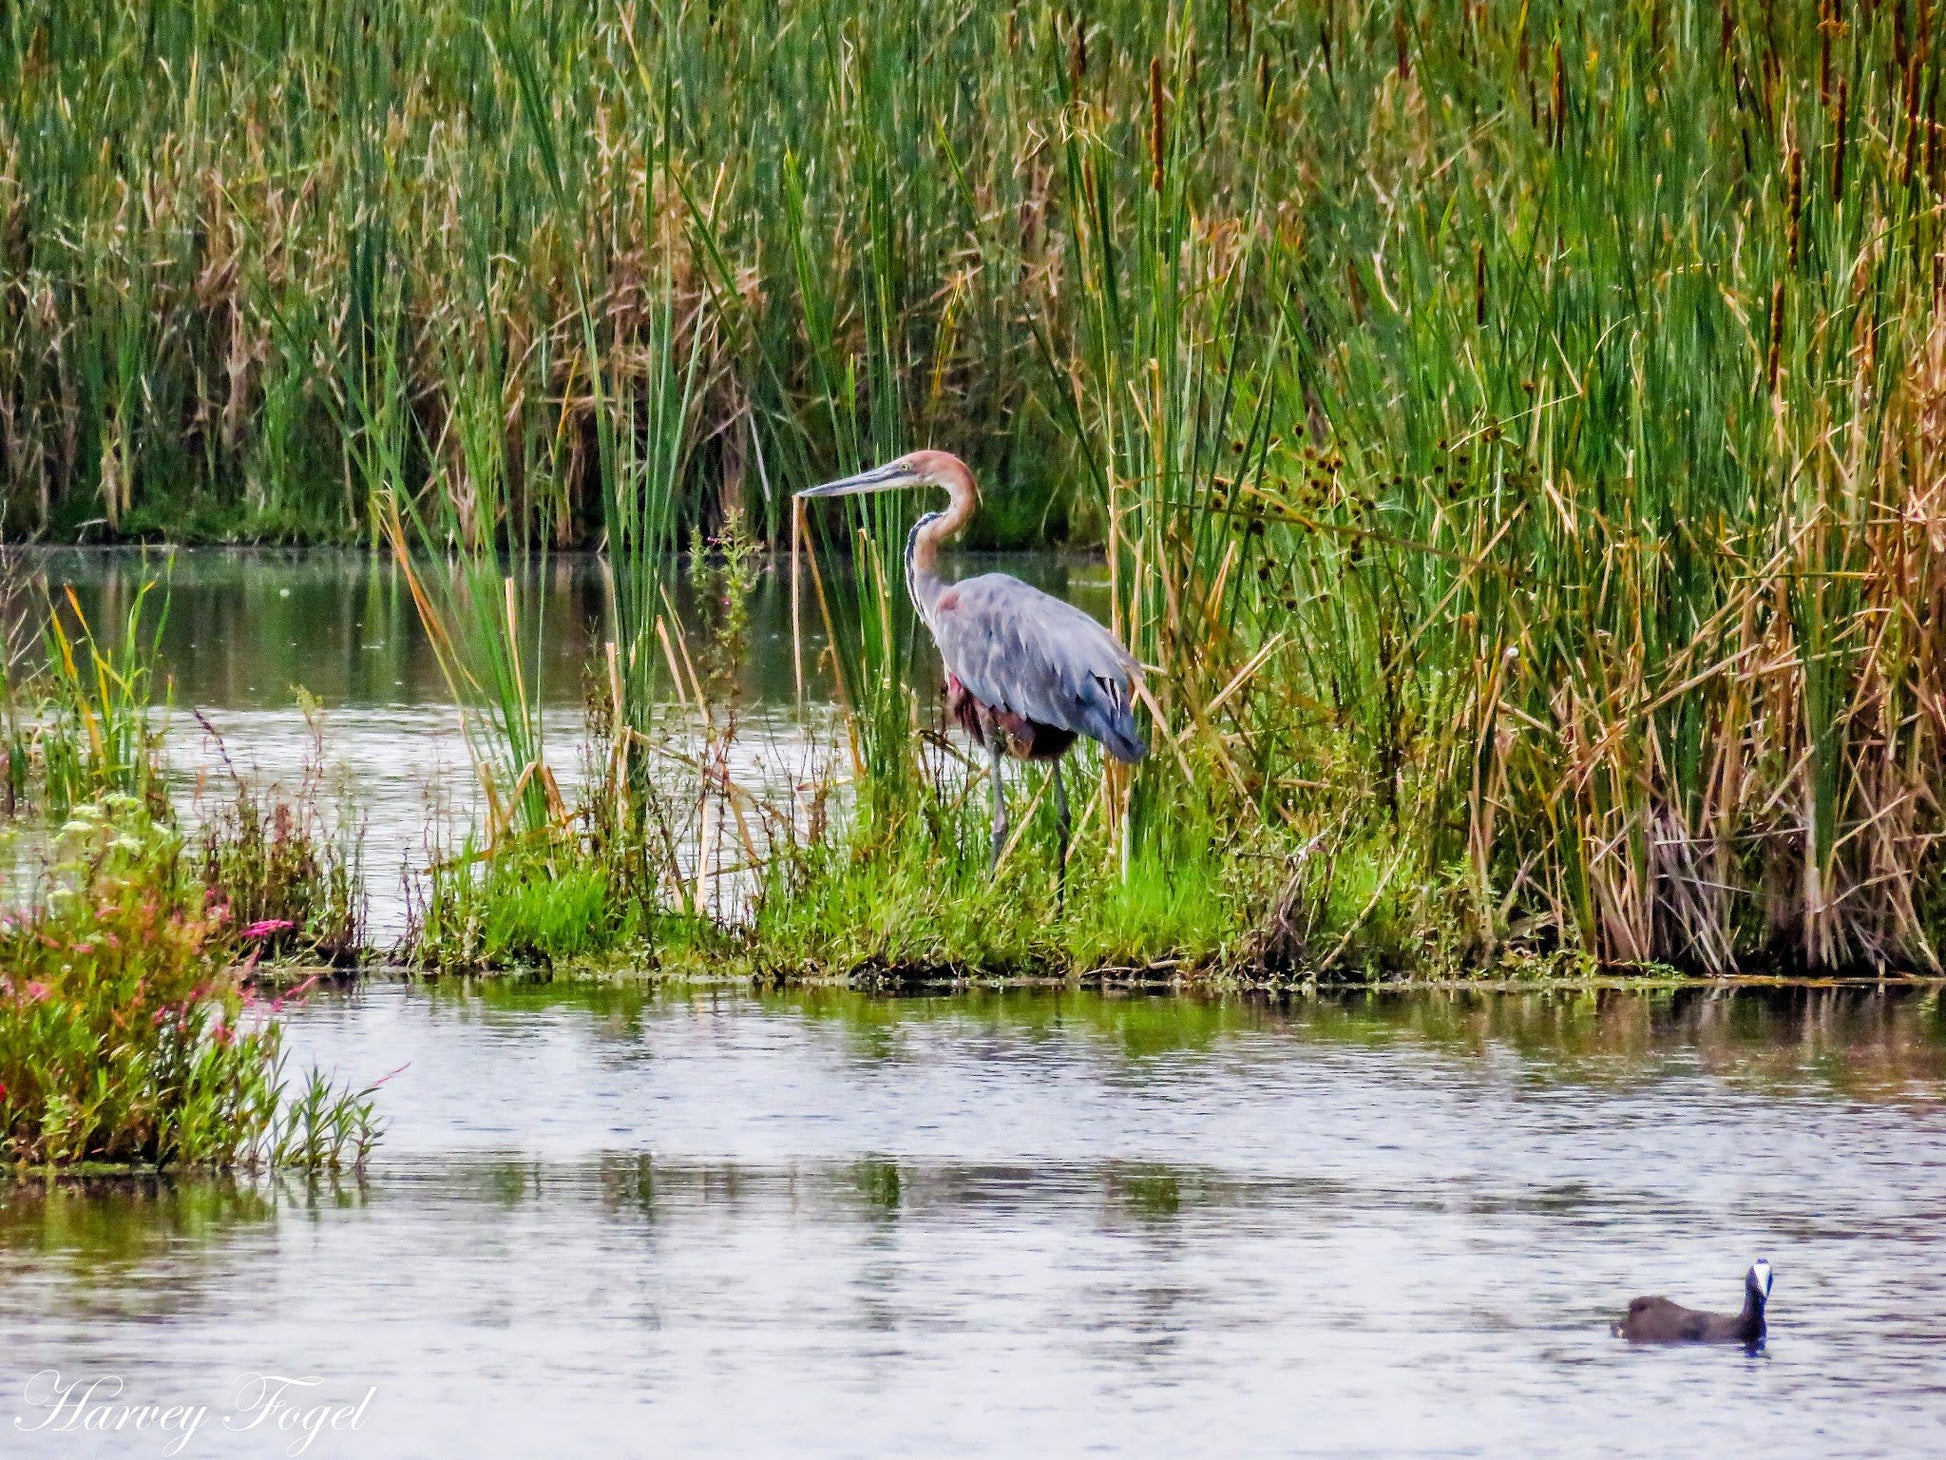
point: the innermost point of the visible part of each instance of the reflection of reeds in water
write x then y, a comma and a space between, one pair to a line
1853, 1041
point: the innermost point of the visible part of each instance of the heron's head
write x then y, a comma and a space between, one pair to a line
1758, 1280
914, 469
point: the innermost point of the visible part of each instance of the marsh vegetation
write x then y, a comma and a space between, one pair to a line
1515, 435
135, 1029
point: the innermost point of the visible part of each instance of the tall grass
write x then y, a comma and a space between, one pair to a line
130, 1029
1604, 509
297, 215
95, 734
1514, 429
18, 662
273, 860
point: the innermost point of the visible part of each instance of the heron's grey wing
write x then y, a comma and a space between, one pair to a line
1023, 650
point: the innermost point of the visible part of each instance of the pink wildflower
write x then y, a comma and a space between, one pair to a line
268, 926
295, 994
34, 992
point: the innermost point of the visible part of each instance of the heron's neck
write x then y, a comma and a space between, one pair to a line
931, 532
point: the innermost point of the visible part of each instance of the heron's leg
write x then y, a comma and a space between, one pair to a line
1062, 823
999, 798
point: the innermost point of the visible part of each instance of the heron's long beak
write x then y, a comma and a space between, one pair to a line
878, 479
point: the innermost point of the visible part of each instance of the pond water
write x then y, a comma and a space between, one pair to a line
608, 1222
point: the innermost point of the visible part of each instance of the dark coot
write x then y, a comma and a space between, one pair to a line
1657, 1320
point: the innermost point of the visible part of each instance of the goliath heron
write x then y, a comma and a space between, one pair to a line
1025, 673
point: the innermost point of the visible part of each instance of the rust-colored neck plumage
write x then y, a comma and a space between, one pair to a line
939, 469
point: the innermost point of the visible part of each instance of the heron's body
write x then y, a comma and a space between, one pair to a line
1657, 1320
1026, 673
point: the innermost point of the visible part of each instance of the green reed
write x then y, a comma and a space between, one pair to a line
1604, 536
93, 732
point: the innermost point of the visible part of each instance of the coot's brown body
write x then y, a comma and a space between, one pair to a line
1657, 1320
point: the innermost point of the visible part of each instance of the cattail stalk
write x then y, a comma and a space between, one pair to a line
1158, 141
1558, 99
1795, 169
1844, 126
1824, 53
1776, 334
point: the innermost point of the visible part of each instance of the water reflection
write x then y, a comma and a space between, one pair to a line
120, 1249
1860, 1041
101, 1225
